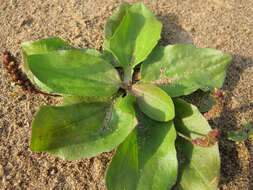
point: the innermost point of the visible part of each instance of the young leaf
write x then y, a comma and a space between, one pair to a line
241, 135
182, 69
114, 22
150, 163
82, 130
40, 47
153, 101
199, 168
75, 72
238, 137
131, 42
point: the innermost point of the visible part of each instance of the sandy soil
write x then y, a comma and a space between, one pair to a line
221, 24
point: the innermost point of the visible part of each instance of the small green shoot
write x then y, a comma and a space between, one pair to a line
242, 135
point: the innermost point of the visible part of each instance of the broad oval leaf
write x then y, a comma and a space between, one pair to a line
146, 159
200, 167
75, 72
82, 130
153, 101
47, 45
40, 47
182, 69
131, 42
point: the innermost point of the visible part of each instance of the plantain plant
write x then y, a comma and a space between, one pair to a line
162, 142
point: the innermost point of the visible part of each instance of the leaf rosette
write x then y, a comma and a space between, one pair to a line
104, 108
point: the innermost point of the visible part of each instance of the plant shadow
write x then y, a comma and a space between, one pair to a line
173, 33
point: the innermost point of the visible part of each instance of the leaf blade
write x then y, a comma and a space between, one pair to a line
182, 69
75, 72
131, 43
122, 172
150, 163
40, 47
153, 101
157, 154
114, 21
238, 137
82, 130
201, 166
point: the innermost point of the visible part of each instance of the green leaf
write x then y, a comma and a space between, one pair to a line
47, 45
200, 167
238, 137
40, 47
182, 69
150, 163
123, 170
241, 135
157, 154
75, 72
132, 42
82, 130
114, 21
153, 101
